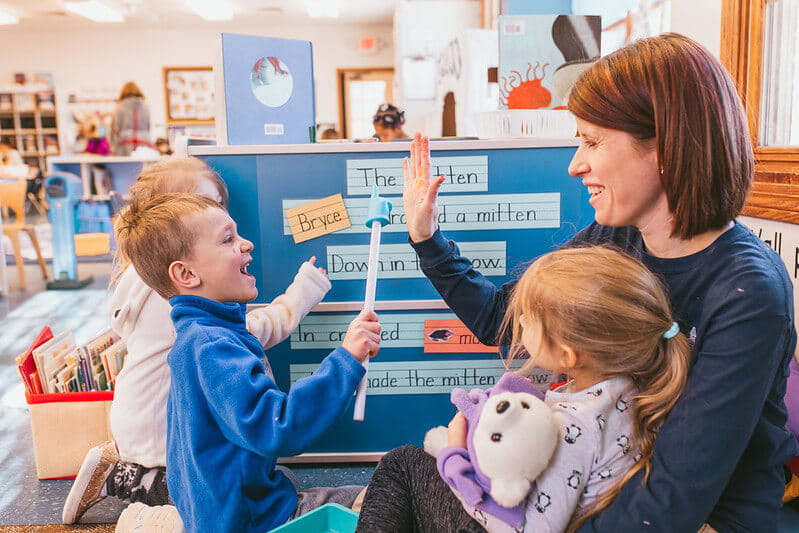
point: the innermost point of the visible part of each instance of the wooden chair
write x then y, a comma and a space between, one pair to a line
12, 195
39, 202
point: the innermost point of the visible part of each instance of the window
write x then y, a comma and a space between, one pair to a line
760, 50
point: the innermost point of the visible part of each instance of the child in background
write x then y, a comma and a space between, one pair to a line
387, 122
141, 317
162, 145
227, 419
603, 318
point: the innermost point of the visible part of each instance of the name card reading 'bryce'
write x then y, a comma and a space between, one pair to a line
464, 212
401, 261
320, 217
432, 377
461, 173
326, 330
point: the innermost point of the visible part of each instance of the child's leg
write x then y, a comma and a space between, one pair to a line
406, 494
137, 483
290, 475
316, 497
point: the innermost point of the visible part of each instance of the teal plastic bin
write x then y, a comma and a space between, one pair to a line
329, 518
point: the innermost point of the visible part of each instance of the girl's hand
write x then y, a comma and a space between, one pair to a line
363, 336
457, 431
312, 260
420, 191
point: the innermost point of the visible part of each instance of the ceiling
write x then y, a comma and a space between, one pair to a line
44, 14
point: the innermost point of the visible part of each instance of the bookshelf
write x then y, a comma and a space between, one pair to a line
28, 118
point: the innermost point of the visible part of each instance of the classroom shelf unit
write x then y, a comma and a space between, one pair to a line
28, 118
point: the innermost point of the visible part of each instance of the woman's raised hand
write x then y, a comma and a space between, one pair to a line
420, 191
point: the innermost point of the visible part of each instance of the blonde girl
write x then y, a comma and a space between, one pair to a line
132, 467
603, 318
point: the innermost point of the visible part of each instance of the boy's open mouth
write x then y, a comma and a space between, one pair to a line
243, 269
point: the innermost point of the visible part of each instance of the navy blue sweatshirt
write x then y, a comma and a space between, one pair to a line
718, 457
227, 421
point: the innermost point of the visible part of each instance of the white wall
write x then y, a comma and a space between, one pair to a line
699, 20
424, 28
106, 57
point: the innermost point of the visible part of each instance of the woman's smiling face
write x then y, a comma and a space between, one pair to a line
622, 176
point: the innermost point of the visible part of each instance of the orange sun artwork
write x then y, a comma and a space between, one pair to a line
517, 92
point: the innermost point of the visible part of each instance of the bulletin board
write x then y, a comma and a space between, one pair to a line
189, 93
503, 206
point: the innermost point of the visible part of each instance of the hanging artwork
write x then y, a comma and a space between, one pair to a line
540, 57
189, 94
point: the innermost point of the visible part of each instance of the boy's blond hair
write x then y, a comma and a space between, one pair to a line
152, 234
175, 175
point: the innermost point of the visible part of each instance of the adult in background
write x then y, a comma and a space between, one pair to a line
130, 125
666, 156
388, 121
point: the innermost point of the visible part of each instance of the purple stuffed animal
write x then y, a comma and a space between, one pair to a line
511, 438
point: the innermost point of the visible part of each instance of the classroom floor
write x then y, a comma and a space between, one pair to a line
24, 499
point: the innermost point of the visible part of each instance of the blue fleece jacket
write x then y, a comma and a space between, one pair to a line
227, 420
718, 457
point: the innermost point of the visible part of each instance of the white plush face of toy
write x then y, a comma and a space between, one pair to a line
515, 436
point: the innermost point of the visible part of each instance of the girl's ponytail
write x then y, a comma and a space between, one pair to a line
659, 389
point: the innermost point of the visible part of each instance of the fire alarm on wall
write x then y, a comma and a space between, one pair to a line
367, 44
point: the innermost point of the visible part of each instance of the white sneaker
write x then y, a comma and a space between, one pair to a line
88, 486
140, 518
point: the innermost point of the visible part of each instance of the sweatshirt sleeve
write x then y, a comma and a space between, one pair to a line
274, 322
472, 296
707, 433
255, 414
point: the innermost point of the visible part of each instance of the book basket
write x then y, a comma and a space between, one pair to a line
64, 427
516, 123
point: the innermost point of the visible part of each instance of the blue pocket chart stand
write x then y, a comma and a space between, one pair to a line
504, 203
63, 191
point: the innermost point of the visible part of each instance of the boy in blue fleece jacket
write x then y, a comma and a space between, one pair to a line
227, 419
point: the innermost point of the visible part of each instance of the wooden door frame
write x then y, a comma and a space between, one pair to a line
342, 119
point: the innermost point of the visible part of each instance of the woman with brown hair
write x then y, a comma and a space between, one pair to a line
666, 156
130, 125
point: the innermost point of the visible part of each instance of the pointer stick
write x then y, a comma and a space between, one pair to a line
379, 211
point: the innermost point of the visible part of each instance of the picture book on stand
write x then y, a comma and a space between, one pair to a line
265, 90
541, 56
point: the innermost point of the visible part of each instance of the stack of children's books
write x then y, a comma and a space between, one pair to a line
55, 363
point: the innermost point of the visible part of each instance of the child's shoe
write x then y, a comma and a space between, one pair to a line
89, 485
140, 518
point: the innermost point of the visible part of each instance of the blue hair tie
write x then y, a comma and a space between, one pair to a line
672, 331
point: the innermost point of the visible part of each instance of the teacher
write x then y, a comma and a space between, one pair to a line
666, 156
130, 125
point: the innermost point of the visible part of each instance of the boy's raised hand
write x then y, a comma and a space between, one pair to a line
363, 336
